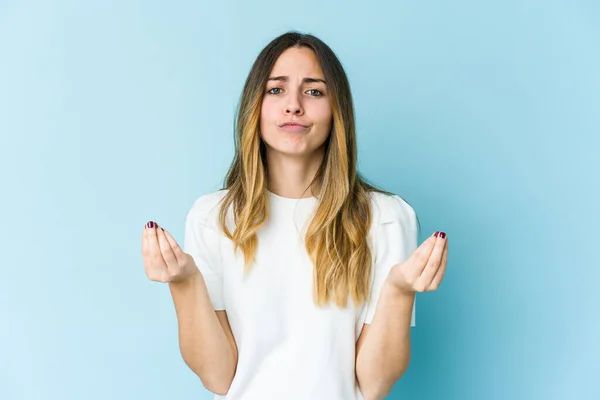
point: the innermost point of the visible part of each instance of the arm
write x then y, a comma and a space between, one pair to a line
206, 341
383, 348
205, 338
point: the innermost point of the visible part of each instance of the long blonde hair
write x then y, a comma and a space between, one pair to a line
336, 239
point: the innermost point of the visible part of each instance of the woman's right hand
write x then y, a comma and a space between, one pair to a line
164, 261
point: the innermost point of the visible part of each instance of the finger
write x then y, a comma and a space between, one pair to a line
146, 259
156, 264
418, 259
152, 240
440, 273
423, 282
179, 254
166, 251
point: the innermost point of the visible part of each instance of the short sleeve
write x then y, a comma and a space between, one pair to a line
202, 243
394, 240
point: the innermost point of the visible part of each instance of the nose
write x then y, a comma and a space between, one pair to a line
293, 110
294, 106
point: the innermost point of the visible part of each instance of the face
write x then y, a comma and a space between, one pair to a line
296, 94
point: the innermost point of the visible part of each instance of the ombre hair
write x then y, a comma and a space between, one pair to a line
336, 239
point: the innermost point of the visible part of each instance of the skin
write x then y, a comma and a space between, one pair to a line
383, 347
207, 344
294, 157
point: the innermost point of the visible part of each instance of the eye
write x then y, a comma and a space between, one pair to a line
315, 92
270, 91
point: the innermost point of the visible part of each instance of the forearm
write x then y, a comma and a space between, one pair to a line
385, 353
203, 343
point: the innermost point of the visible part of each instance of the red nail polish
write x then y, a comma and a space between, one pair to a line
442, 235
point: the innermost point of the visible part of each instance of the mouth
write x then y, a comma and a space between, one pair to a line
293, 127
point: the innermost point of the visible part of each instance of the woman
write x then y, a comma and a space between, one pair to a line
298, 278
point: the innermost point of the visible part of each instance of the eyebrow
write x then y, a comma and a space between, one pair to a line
305, 80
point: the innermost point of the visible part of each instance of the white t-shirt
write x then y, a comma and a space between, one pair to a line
288, 348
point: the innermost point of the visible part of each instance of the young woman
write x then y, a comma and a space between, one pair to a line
298, 278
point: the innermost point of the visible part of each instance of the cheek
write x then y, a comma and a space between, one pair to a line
323, 116
267, 114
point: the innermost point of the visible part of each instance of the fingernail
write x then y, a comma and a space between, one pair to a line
150, 224
162, 228
440, 234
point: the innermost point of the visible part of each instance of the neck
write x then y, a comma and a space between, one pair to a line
291, 176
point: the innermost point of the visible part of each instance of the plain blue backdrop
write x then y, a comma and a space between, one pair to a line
483, 115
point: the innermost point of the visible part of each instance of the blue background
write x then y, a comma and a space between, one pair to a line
483, 115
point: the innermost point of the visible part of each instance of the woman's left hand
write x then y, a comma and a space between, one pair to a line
424, 269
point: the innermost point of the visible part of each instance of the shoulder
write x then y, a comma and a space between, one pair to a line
388, 208
205, 209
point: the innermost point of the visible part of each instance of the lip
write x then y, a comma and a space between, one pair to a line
293, 127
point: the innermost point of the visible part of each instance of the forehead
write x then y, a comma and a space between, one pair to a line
294, 61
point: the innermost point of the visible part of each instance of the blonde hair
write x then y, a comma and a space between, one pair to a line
336, 239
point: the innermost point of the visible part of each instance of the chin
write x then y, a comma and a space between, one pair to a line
291, 152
